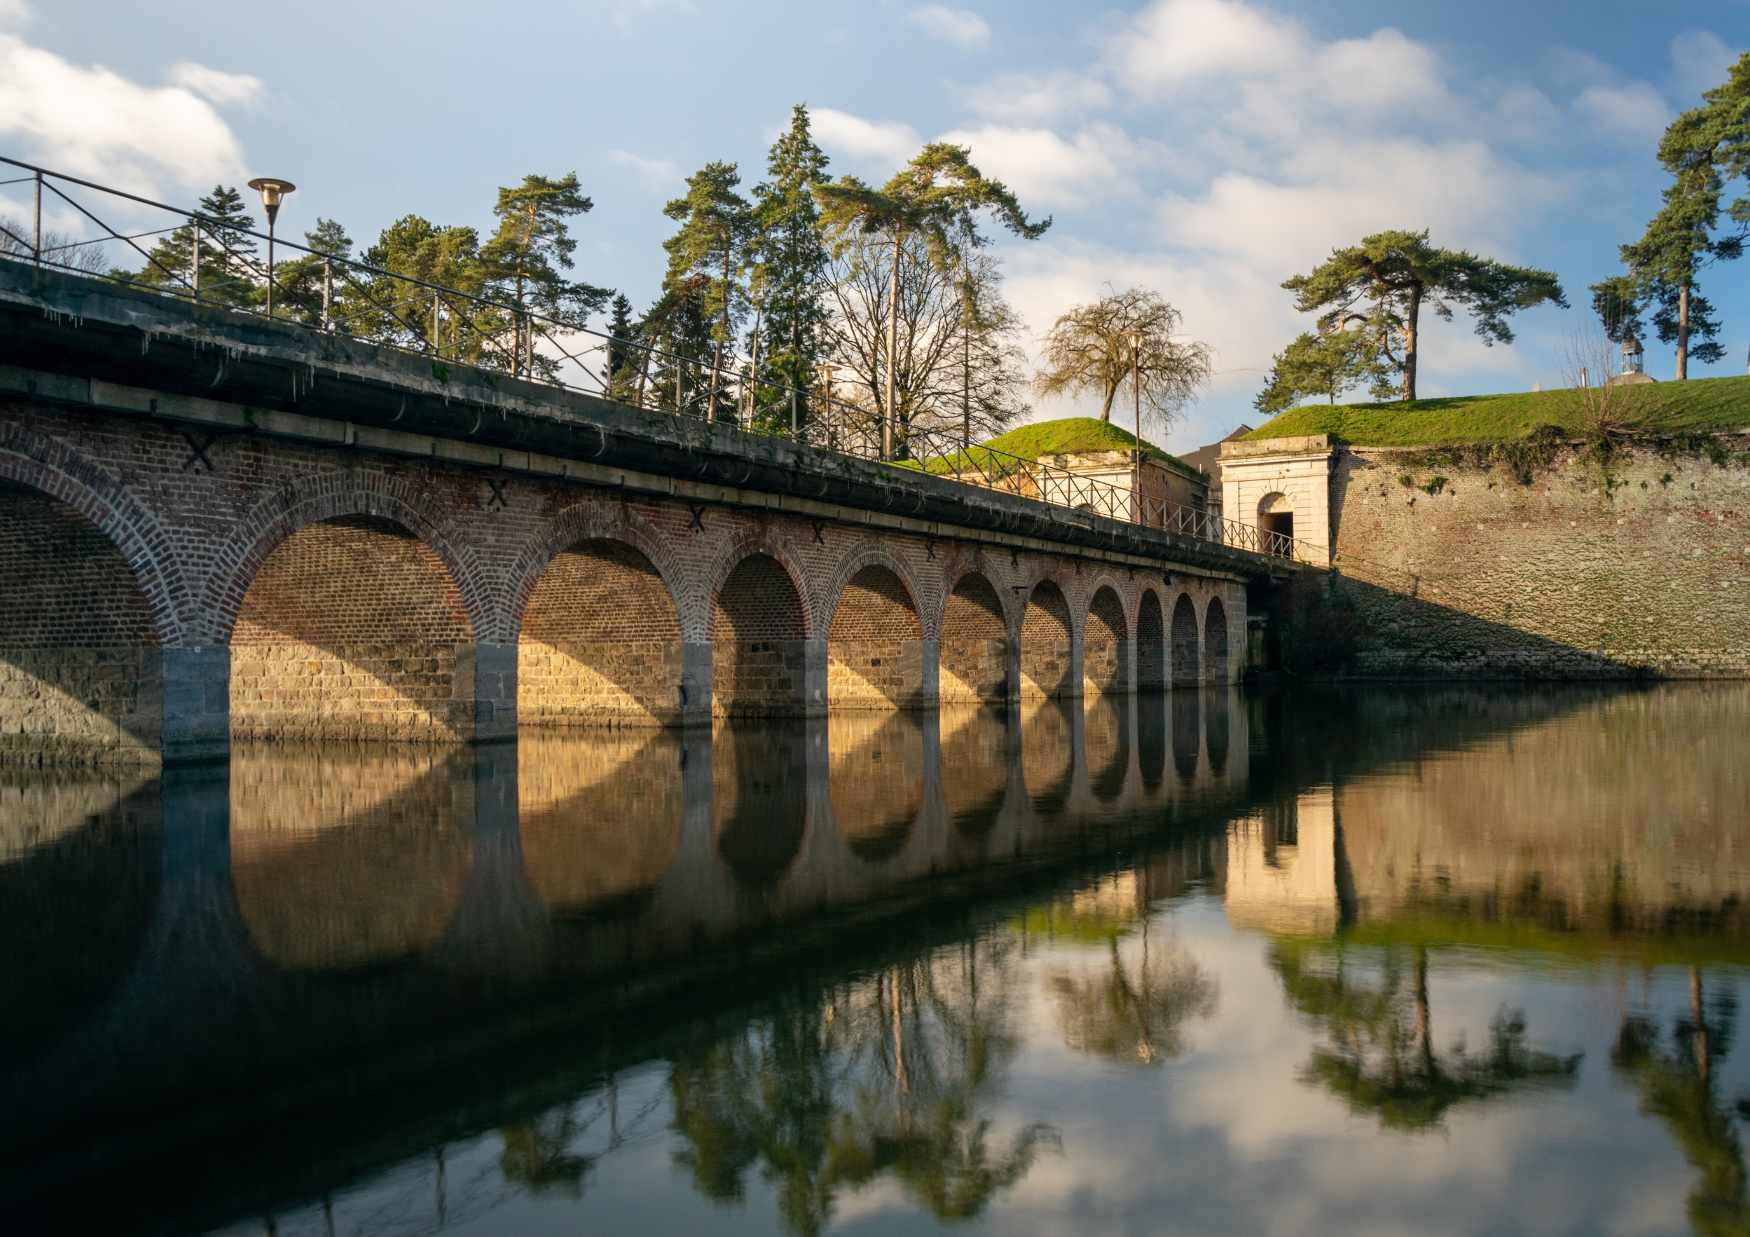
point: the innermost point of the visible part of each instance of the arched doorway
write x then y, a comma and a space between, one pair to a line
1276, 515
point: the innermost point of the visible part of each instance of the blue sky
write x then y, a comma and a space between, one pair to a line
1205, 148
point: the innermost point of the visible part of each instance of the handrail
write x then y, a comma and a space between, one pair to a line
497, 334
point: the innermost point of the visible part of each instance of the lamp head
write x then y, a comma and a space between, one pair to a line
272, 190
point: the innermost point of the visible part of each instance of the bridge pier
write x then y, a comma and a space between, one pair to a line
197, 703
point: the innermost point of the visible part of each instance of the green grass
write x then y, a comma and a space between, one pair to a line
1061, 437
1697, 406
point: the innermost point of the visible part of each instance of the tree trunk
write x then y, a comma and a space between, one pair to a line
1410, 324
887, 413
1106, 407
1683, 332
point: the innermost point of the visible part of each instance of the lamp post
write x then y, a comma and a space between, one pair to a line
272, 190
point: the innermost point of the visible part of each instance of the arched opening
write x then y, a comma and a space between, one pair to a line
1045, 642
974, 644
757, 630
875, 780
1151, 643
348, 857
1276, 515
600, 643
975, 762
759, 799
1215, 640
874, 648
600, 818
1106, 742
80, 676
352, 628
1187, 740
1105, 645
1186, 668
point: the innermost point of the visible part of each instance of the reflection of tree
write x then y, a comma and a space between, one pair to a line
538, 1154
1380, 1056
1138, 1016
885, 1076
1677, 1085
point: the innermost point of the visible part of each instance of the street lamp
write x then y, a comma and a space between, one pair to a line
272, 190
1136, 396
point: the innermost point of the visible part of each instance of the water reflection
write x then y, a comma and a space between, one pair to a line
903, 970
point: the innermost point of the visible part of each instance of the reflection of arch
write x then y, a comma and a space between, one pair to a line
80, 669
352, 627
1151, 738
79, 888
874, 643
1106, 727
1151, 643
975, 761
1186, 718
1215, 640
1105, 644
758, 624
1185, 653
347, 857
759, 811
1045, 642
1276, 514
600, 640
1048, 755
974, 643
600, 818
1215, 720
875, 780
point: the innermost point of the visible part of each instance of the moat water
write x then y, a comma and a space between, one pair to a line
1444, 960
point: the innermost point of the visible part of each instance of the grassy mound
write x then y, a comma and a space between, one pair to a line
1062, 437
1696, 406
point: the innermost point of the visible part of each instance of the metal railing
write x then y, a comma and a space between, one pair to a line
331, 293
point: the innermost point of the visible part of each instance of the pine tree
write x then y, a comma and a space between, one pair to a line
301, 279
624, 358
395, 312
1325, 365
707, 258
1667, 260
789, 274
524, 264
228, 274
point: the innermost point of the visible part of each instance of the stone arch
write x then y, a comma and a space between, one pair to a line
698, 604
974, 642
759, 627
1187, 657
353, 626
85, 611
1105, 643
596, 521
874, 636
335, 496
599, 640
1045, 641
1151, 642
1215, 641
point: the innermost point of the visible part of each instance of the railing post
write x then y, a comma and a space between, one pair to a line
434, 325
36, 243
195, 267
327, 291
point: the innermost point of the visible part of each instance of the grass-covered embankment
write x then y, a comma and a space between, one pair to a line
1066, 436
1701, 405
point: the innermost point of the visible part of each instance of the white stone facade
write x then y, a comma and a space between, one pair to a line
1278, 475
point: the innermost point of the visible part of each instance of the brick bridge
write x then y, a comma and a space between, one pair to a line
213, 525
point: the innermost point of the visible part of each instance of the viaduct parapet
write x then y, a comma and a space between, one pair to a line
217, 525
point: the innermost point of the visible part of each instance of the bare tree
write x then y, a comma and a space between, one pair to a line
957, 366
1089, 349
59, 249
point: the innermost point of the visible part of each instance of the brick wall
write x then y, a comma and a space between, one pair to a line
1638, 563
1151, 643
1105, 645
79, 662
1045, 642
974, 644
757, 631
600, 643
874, 647
1215, 642
352, 627
1187, 655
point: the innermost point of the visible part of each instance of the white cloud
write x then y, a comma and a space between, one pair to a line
1635, 110
652, 175
1701, 61
871, 141
91, 121
1178, 44
1033, 98
961, 26
1045, 169
215, 85
13, 13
